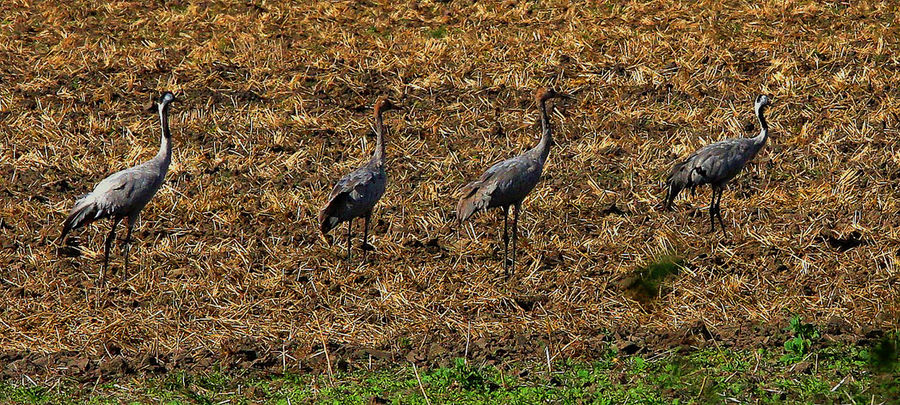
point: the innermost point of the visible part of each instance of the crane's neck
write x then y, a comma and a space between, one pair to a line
764, 126
543, 147
379, 133
164, 156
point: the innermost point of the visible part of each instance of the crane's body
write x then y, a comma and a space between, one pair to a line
507, 183
356, 194
124, 193
716, 164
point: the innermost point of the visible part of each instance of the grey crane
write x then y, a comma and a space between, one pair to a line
716, 164
125, 193
507, 183
356, 194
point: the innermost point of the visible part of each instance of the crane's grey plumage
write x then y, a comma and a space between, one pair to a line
716, 164
356, 194
125, 193
507, 183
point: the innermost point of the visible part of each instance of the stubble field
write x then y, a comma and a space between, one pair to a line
229, 267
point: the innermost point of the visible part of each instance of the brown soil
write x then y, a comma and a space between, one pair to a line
435, 349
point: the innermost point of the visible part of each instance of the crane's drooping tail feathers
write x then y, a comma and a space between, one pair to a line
678, 180
327, 219
467, 207
84, 212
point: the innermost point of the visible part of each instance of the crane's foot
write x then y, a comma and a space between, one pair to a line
366, 248
509, 269
68, 251
712, 231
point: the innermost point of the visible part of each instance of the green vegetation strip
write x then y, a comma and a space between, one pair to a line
797, 373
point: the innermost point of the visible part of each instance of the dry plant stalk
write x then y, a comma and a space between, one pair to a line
275, 107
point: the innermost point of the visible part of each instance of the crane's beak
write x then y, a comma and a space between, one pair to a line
565, 96
150, 107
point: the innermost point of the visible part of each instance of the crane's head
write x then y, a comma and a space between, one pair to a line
163, 103
383, 104
761, 102
544, 94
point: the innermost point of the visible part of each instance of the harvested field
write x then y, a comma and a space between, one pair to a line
228, 266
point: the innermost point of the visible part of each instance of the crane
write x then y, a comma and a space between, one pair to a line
125, 193
716, 164
356, 194
507, 183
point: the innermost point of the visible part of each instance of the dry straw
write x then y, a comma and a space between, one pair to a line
276, 109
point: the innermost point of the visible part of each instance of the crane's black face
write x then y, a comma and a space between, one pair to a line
166, 98
762, 101
164, 101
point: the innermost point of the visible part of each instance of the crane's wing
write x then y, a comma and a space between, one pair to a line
722, 160
507, 181
713, 163
362, 187
499, 168
351, 181
114, 195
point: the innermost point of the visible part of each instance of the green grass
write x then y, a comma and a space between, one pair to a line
646, 283
438, 33
797, 347
825, 374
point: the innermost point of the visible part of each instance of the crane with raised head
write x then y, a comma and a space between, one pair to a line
505, 184
356, 194
125, 193
716, 164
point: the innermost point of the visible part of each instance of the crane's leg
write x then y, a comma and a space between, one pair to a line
505, 237
365, 244
127, 243
712, 210
349, 242
719, 209
109, 240
516, 209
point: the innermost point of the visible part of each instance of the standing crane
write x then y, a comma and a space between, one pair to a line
716, 164
356, 194
507, 183
125, 193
